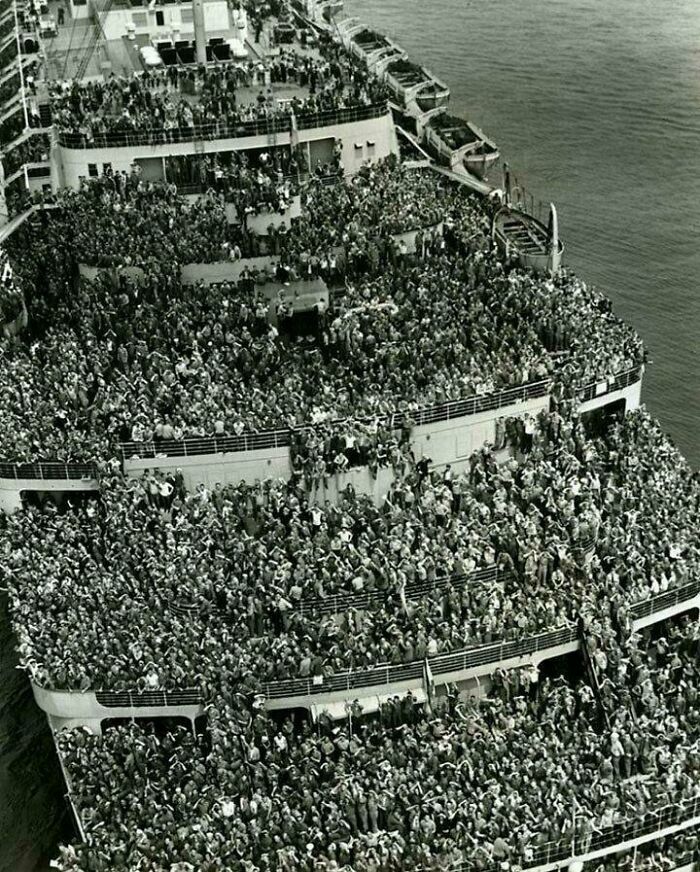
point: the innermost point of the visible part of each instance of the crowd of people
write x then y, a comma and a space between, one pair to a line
648, 687
561, 523
343, 221
153, 587
660, 855
445, 321
11, 296
332, 448
10, 87
11, 128
32, 150
6, 27
488, 782
266, 184
221, 96
8, 53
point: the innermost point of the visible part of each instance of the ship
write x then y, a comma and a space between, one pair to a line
41, 156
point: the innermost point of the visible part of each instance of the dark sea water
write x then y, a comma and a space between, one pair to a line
32, 811
596, 105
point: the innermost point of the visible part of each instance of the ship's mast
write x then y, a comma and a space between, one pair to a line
200, 34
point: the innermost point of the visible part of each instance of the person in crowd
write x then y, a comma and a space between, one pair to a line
33, 150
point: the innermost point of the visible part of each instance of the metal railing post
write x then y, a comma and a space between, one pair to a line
20, 67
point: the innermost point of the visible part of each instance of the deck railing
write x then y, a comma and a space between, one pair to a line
467, 658
665, 820
476, 404
363, 600
266, 439
349, 115
440, 664
148, 698
619, 382
666, 600
174, 136
386, 674
269, 439
339, 603
50, 471
377, 676
197, 445
219, 130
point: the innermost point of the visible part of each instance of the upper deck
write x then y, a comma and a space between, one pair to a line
119, 83
99, 38
157, 72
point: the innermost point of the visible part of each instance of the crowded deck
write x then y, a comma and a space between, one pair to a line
464, 785
356, 362
444, 564
181, 103
481, 652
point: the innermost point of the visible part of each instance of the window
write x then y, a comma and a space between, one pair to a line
92, 171
370, 147
186, 14
160, 18
140, 19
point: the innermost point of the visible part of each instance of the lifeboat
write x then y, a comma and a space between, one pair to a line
457, 143
536, 245
370, 46
347, 27
413, 85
